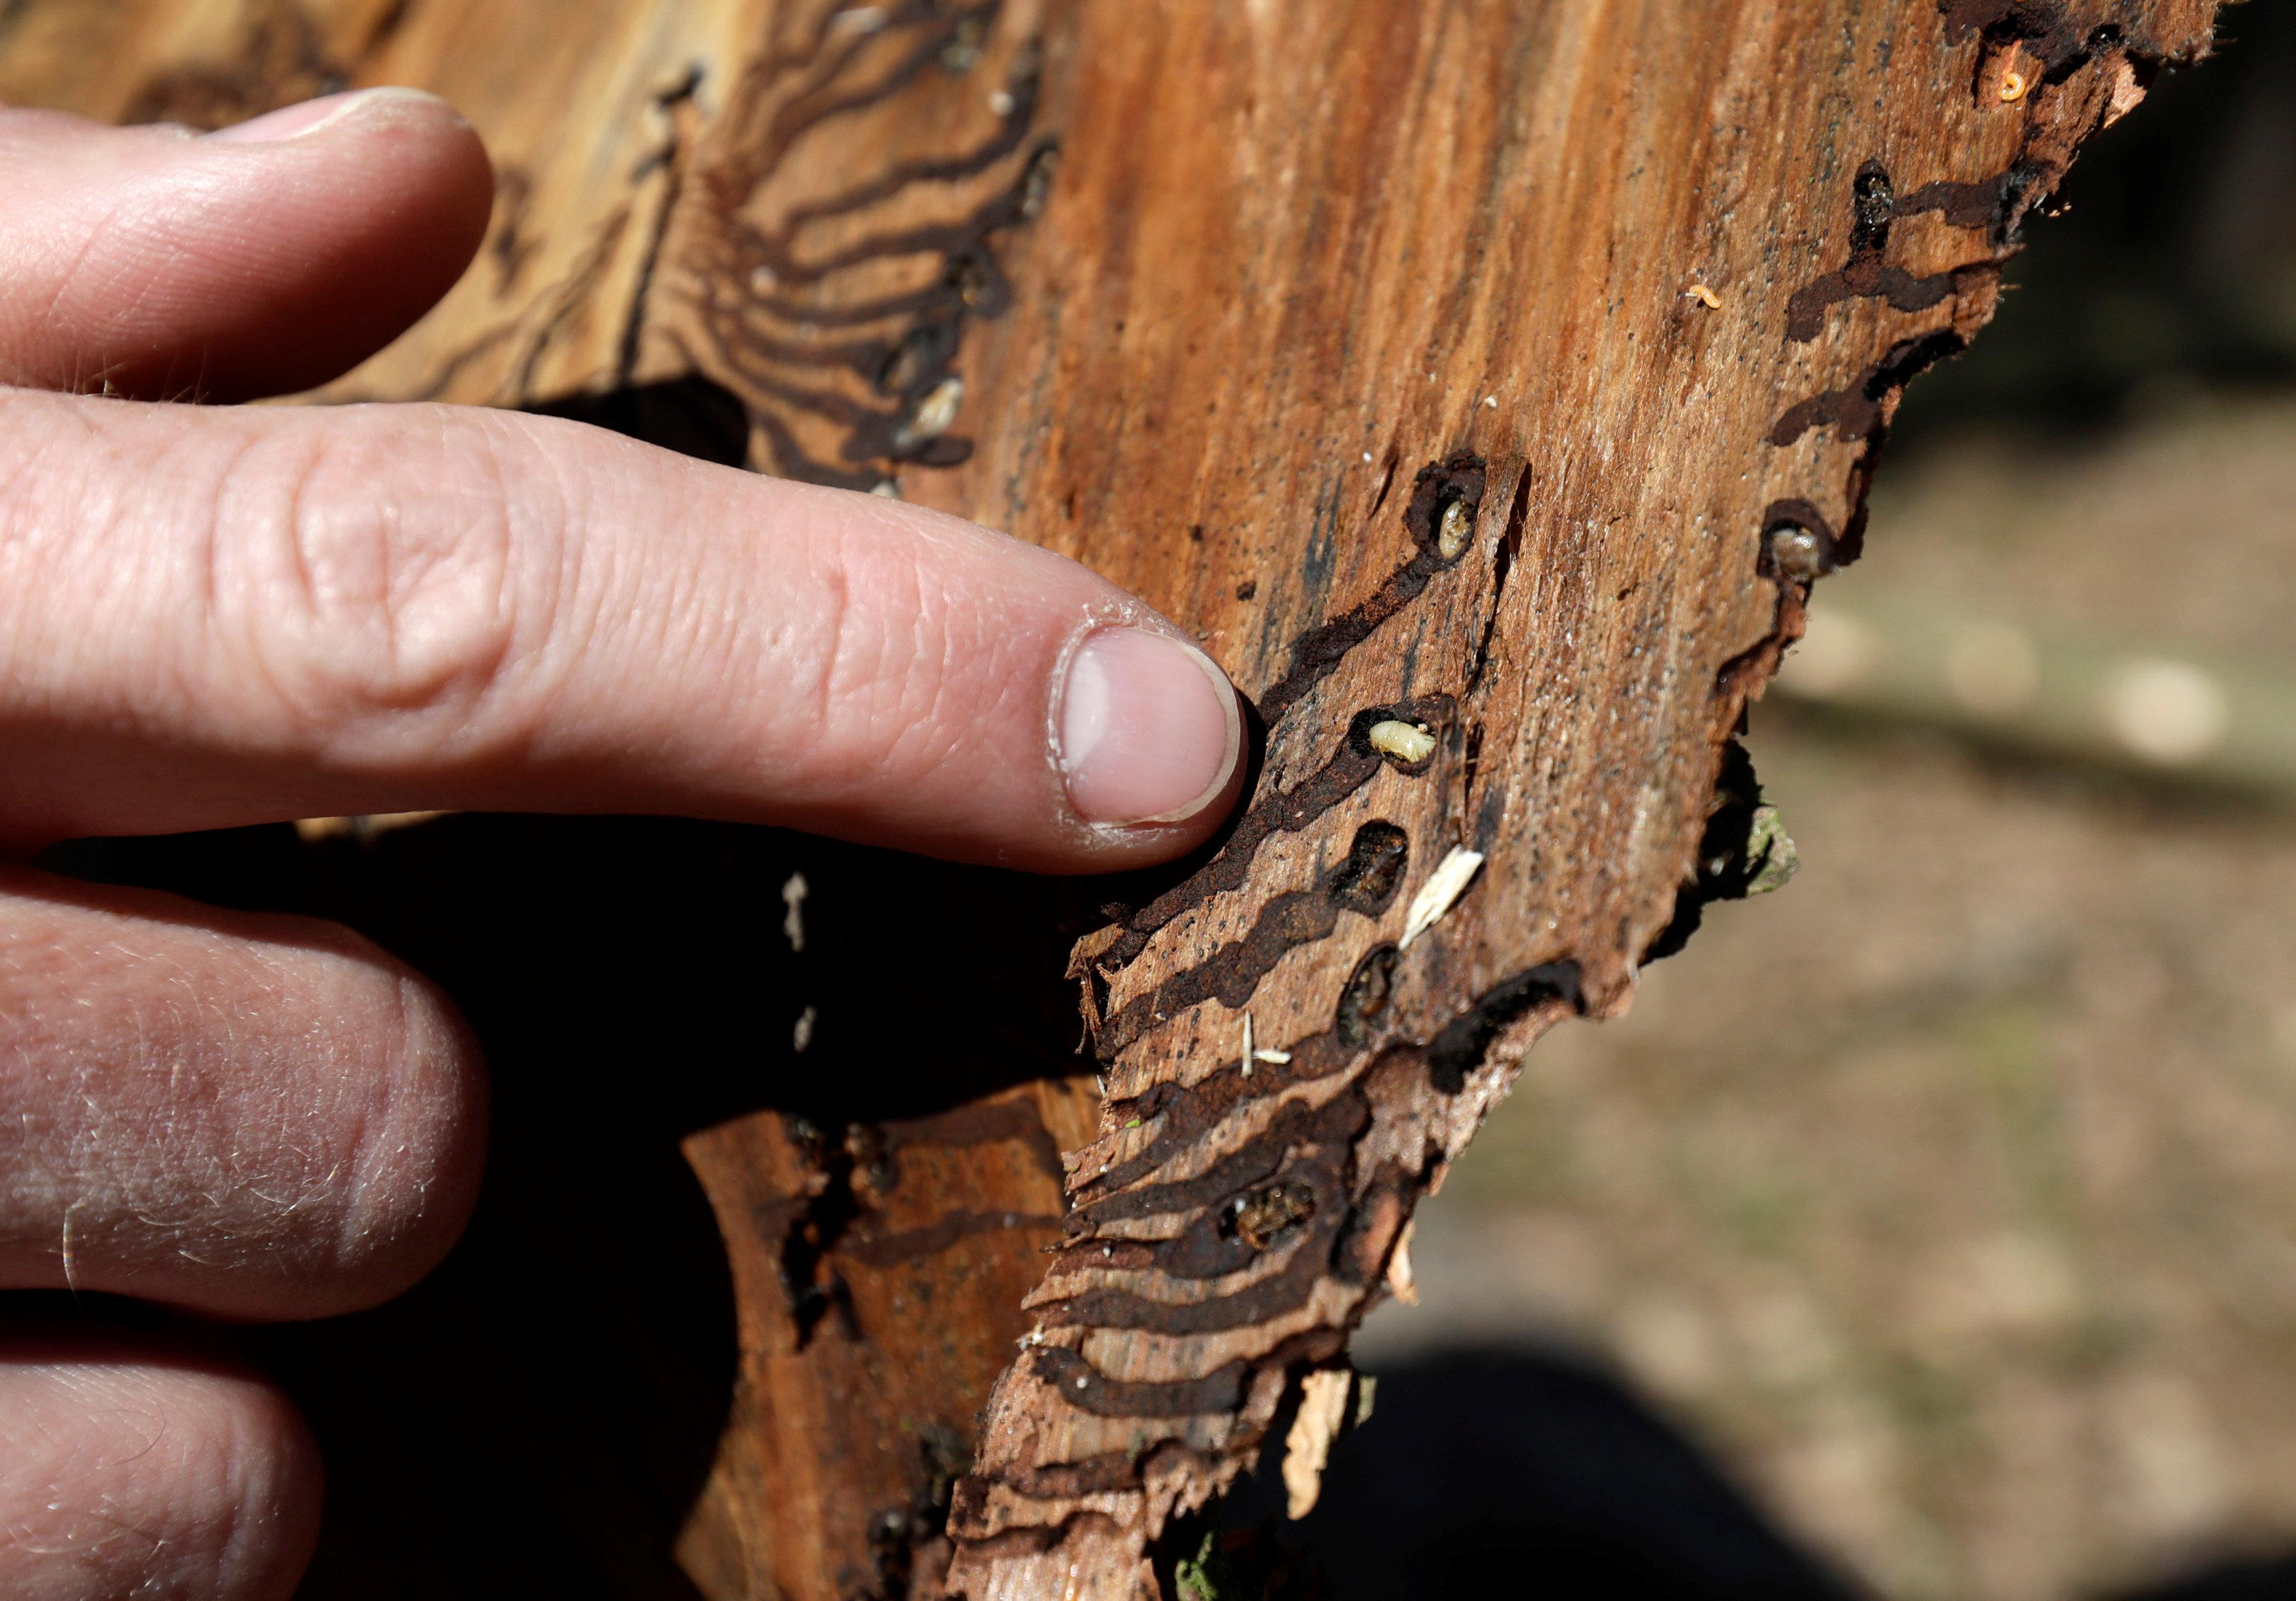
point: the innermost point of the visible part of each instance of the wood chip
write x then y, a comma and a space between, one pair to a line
793, 894
1441, 892
1307, 1449
313, 830
1399, 1268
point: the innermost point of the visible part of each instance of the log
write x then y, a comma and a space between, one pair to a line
1488, 383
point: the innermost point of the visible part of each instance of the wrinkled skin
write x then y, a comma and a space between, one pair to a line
213, 616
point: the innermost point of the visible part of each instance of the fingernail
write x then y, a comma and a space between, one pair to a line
295, 121
1150, 731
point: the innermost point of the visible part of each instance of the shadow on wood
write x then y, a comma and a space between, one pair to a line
544, 1415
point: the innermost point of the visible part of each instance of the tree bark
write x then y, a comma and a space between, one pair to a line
1487, 382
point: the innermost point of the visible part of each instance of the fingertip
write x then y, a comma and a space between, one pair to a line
382, 198
1149, 736
422, 1158
273, 1488
262, 259
132, 1463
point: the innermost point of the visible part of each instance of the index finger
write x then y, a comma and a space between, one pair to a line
209, 619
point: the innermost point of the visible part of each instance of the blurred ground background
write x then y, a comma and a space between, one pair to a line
1929, 1230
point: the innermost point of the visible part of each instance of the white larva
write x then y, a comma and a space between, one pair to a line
1456, 531
1407, 743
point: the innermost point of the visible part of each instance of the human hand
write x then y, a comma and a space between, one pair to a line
213, 617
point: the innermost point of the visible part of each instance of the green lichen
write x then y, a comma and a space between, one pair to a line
1207, 1575
1771, 856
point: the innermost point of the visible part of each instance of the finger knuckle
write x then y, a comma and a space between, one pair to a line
380, 596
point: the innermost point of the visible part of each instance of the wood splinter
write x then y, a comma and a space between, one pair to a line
1441, 892
1307, 1448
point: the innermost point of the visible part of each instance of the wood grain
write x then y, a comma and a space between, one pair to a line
1246, 303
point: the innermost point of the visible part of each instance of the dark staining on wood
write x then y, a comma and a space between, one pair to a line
675, 103
1286, 1216
1093, 1475
1085, 1388
1364, 883
1463, 1043
848, 380
1860, 411
889, 1250
2047, 28
848, 1170
1996, 205
1272, 1295
838, 233
512, 245
279, 58
1868, 274
1287, 811
1299, 1149
1448, 493
1363, 998
1799, 543
1187, 1114
980, 1123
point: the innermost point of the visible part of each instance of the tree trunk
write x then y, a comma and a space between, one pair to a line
1487, 382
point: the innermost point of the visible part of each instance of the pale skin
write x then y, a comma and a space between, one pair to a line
212, 616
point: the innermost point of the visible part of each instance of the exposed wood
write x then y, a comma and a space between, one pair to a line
1502, 369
